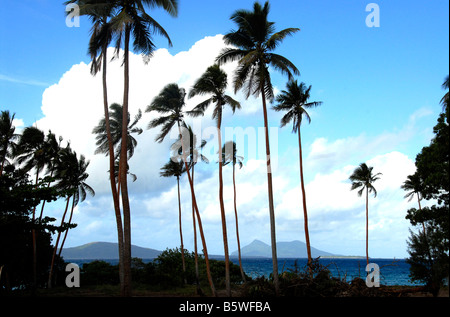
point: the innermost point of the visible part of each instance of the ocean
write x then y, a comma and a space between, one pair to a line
392, 271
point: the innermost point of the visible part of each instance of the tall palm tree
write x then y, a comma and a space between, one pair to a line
229, 155
214, 82
294, 100
255, 39
71, 175
193, 158
169, 103
100, 13
132, 20
7, 138
363, 178
176, 169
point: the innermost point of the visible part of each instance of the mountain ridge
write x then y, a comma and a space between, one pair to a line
290, 249
105, 250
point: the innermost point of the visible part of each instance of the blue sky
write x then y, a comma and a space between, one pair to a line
380, 89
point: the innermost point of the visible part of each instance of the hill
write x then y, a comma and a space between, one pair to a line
105, 250
293, 249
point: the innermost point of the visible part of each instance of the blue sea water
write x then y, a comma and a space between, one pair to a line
392, 271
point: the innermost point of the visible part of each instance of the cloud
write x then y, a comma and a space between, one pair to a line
325, 155
74, 105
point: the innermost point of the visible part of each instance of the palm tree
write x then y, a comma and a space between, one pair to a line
194, 155
100, 13
294, 100
116, 120
255, 40
444, 100
363, 178
7, 138
71, 175
414, 186
214, 82
31, 153
132, 20
229, 156
109, 142
170, 103
79, 176
176, 169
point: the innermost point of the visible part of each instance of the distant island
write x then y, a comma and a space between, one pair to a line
293, 249
257, 248
105, 251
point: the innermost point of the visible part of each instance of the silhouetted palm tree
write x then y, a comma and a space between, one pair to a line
176, 169
363, 179
193, 158
116, 119
132, 21
169, 103
100, 13
7, 138
214, 83
255, 40
444, 100
71, 176
229, 156
81, 188
294, 100
414, 186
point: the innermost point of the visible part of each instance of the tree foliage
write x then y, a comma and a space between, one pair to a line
429, 248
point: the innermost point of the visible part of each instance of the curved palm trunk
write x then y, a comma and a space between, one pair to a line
200, 227
56, 245
270, 194
181, 231
69, 222
367, 225
123, 174
195, 239
111, 171
222, 210
305, 212
237, 226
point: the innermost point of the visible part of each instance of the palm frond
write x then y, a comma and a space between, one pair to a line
282, 64
278, 37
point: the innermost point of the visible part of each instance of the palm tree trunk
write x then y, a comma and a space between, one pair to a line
237, 225
49, 285
420, 208
367, 225
123, 173
305, 212
270, 194
195, 239
200, 227
33, 234
69, 222
181, 231
111, 170
222, 209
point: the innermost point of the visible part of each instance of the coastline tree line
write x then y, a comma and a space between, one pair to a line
252, 45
